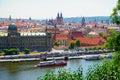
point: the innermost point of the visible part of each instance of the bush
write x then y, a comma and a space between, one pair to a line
11, 51
63, 75
107, 71
26, 51
1, 53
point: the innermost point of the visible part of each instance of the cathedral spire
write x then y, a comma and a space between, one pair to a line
58, 15
10, 18
83, 22
61, 15
30, 19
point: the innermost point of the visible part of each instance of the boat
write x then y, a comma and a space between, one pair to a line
51, 63
93, 57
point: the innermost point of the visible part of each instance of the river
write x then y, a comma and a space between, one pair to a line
28, 71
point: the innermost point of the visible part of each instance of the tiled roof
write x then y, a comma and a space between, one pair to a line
85, 41
61, 36
77, 34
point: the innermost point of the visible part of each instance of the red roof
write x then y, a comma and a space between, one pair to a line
61, 37
77, 34
85, 41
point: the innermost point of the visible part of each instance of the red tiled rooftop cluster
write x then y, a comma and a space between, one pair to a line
77, 34
61, 37
85, 41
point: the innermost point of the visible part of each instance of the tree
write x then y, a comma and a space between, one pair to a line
56, 43
113, 40
116, 12
102, 35
72, 45
11, 51
77, 43
26, 51
1, 53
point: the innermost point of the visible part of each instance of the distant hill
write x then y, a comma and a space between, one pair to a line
75, 19
88, 19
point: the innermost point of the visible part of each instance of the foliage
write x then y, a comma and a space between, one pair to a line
116, 58
72, 45
91, 36
63, 75
94, 48
77, 43
56, 43
102, 35
113, 41
26, 51
11, 51
106, 71
86, 49
1, 53
115, 17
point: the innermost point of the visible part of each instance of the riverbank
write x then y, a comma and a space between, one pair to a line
17, 59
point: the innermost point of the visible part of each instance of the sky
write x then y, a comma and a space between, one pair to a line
47, 9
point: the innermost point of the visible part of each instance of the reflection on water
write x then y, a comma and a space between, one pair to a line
28, 71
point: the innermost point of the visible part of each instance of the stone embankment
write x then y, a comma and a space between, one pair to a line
56, 56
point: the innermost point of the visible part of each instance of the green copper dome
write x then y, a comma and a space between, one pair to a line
12, 26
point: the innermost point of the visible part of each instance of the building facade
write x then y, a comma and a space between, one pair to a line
39, 41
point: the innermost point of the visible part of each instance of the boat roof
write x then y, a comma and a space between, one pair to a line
47, 61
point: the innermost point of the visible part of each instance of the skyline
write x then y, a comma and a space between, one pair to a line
46, 9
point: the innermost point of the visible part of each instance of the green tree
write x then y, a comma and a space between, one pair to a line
72, 45
115, 17
5, 51
113, 40
1, 53
102, 35
56, 43
11, 51
26, 51
63, 74
77, 43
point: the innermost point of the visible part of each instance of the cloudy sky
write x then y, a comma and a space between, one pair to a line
45, 9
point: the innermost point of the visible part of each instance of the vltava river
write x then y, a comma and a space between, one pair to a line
28, 71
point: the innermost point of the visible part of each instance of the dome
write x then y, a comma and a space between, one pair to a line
12, 26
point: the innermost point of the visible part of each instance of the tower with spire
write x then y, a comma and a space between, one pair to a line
10, 18
83, 24
30, 19
59, 18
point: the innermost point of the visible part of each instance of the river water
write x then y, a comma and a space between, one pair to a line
28, 71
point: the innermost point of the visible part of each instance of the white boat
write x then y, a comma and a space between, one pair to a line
51, 63
93, 57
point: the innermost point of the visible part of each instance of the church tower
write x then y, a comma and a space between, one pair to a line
30, 19
10, 18
83, 24
59, 18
